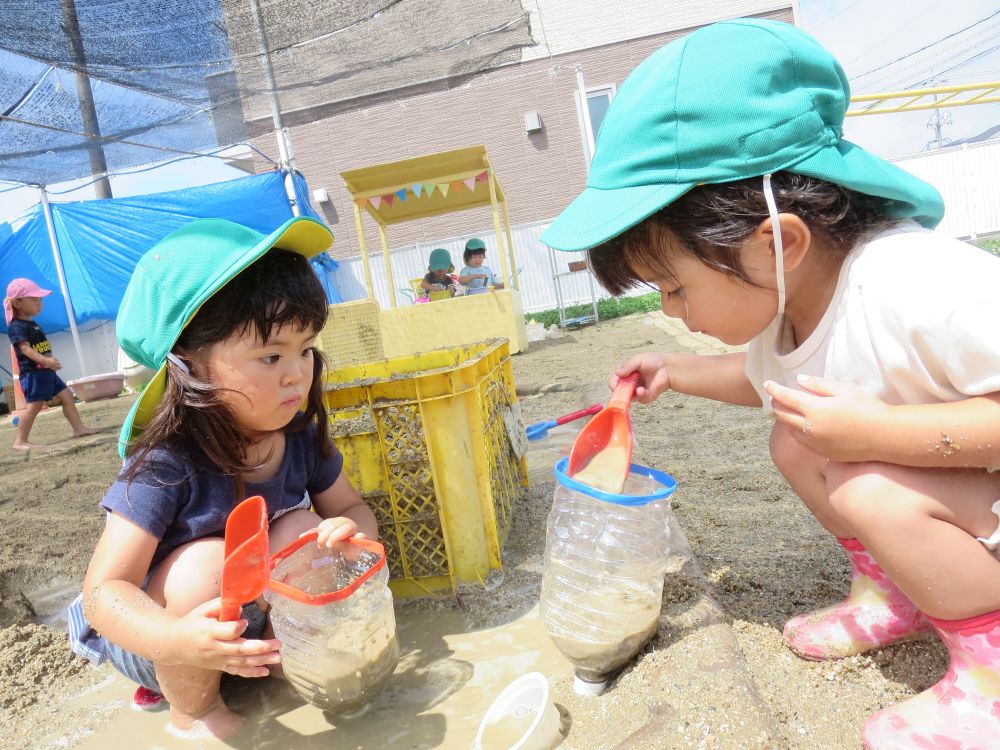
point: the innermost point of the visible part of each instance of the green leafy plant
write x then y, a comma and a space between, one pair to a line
612, 307
989, 244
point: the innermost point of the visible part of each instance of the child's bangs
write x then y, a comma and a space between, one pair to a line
279, 290
621, 263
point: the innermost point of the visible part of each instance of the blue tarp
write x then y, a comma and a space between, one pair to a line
100, 241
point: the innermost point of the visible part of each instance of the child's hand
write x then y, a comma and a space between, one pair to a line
53, 364
199, 639
654, 377
333, 530
830, 418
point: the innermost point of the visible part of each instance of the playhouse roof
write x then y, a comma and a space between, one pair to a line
424, 185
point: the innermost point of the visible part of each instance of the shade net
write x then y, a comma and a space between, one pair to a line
172, 77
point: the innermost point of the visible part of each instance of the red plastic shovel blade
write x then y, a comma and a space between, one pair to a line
608, 434
244, 572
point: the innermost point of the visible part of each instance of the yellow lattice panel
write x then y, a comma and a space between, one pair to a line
426, 442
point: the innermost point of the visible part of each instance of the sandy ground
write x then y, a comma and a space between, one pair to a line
757, 554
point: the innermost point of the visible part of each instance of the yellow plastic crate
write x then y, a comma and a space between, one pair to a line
352, 334
427, 442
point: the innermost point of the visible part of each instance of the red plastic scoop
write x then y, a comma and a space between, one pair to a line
245, 570
602, 453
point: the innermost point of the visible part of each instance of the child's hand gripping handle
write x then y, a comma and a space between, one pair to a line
623, 392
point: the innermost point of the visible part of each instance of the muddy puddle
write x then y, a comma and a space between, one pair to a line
445, 681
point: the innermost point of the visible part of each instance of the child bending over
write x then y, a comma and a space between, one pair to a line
721, 179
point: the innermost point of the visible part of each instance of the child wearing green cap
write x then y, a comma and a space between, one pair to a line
439, 268
228, 318
721, 179
475, 275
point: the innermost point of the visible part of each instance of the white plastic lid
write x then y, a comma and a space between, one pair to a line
587, 688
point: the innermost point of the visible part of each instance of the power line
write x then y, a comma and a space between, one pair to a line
984, 36
896, 31
927, 46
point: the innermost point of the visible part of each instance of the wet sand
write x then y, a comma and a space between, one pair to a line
757, 553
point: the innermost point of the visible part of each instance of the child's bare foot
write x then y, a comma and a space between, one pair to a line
218, 722
83, 432
20, 446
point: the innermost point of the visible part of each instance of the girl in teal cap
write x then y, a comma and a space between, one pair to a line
439, 268
722, 180
230, 321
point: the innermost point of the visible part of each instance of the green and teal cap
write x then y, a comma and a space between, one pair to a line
440, 260
732, 100
176, 277
475, 244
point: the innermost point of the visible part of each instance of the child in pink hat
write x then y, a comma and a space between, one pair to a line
35, 362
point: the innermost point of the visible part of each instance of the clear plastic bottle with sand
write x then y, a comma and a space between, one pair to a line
332, 611
605, 558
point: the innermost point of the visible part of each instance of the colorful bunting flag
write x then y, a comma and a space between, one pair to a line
444, 187
429, 190
470, 183
483, 177
457, 184
417, 189
375, 201
362, 202
401, 194
388, 198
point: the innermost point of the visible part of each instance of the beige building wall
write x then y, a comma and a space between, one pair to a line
540, 172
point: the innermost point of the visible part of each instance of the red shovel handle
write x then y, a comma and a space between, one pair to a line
622, 395
579, 414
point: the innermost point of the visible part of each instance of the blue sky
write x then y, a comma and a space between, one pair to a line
881, 45
884, 45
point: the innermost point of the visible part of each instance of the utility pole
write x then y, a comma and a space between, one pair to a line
937, 120
85, 97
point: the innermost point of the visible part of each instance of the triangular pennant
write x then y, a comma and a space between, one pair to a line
483, 177
470, 183
417, 189
429, 189
401, 194
388, 198
457, 184
362, 202
444, 187
375, 201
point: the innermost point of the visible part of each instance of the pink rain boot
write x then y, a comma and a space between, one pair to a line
875, 614
962, 712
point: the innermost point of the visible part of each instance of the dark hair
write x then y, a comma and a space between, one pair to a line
470, 251
712, 222
279, 289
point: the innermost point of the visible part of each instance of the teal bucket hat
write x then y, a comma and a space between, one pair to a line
176, 277
440, 260
732, 100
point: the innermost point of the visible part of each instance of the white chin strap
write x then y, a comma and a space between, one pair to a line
179, 362
779, 250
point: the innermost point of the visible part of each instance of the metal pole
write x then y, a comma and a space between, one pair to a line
85, 98
285, 153
54, 243
585, 114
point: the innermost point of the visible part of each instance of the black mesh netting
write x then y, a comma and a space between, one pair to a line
181, 76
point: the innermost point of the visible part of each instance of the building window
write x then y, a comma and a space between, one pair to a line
592, 115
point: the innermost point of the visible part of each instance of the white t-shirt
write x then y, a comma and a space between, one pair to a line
915, 319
